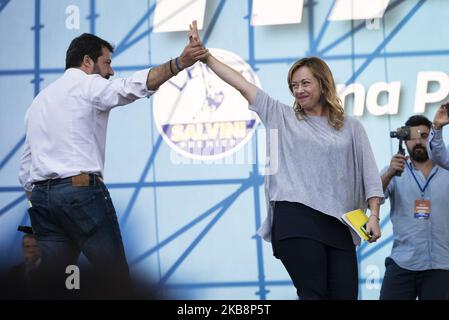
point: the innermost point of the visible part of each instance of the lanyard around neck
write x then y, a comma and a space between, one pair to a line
423, 189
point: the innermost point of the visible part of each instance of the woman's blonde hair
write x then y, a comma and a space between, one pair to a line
329, 98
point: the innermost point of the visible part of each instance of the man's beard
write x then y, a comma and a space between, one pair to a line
419, 154
97, 71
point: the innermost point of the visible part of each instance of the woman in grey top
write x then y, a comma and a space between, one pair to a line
325, 168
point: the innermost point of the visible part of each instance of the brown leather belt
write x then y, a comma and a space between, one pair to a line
80, 180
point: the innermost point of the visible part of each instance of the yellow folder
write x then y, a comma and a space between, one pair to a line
356, 220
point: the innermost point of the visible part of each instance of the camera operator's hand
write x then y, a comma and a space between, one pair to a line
441, 117
397, 164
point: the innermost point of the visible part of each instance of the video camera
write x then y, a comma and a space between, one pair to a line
25, 229
406, 133
403, 134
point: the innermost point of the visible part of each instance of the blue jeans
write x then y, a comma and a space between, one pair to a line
68, 220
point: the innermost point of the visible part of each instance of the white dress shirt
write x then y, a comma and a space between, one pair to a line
66, 124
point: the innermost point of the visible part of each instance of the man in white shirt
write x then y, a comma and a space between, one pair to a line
63, 161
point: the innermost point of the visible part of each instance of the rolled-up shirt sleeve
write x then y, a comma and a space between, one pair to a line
106, 94
436, 149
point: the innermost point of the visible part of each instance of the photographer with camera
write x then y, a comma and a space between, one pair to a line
435, 146
418, 266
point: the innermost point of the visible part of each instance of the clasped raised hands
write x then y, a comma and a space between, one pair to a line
194, 51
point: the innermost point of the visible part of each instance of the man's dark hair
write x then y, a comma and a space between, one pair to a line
418, 120
85, 44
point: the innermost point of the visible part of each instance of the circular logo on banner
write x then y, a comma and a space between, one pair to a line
202, 117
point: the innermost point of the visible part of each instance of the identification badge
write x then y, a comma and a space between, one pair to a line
422, 209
